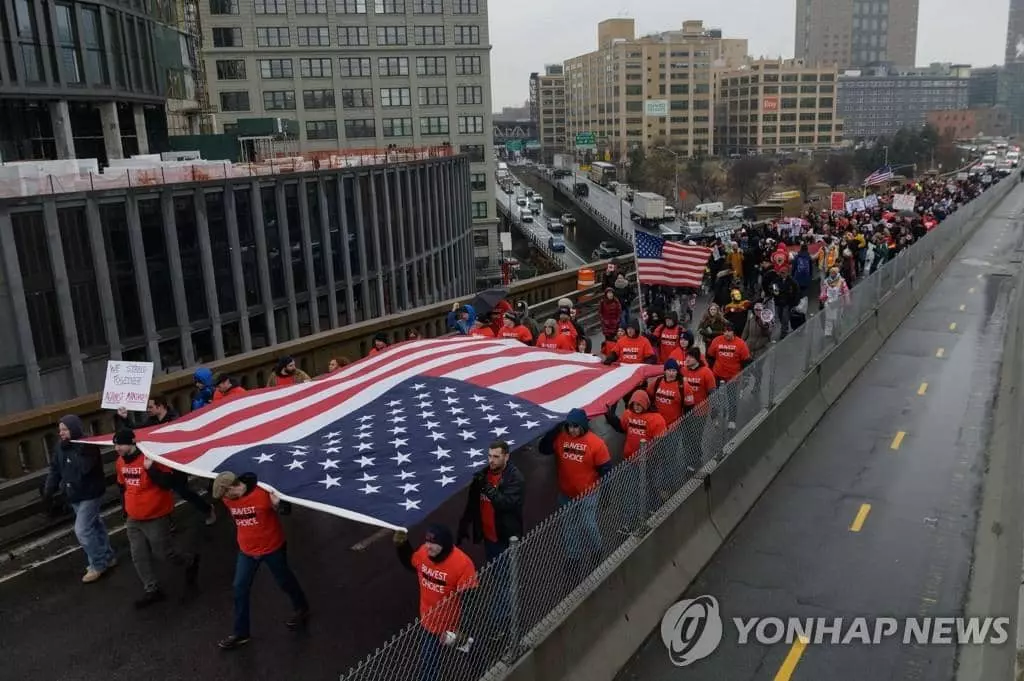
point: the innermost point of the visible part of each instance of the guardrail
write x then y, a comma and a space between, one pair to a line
578, 594
534, 239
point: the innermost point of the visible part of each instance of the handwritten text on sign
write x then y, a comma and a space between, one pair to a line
127, 385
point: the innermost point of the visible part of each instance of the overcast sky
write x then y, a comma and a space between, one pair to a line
527, 34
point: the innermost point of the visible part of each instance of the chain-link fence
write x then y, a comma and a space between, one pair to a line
523, 594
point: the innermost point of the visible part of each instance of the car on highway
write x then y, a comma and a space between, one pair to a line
555, 225
516, 183
735, 213
607, 250
538, 199
693, 227
556, 244
528, 192
526, 215
521, 202
568, 219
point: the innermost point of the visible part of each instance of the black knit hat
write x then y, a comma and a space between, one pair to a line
125, 436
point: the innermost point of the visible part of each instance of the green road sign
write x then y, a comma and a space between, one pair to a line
585, 139
514, 145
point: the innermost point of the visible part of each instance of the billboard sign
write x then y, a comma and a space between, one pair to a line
656, 108
585, 141
770, 104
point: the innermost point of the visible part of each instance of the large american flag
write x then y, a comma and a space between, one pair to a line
880, 176
388, 439
666, 263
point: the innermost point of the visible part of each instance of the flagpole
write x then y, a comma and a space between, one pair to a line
639, 287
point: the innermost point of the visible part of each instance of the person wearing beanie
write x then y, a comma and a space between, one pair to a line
551, 339
76, 470
632, 348
261, 540
698, 384
226, 387
513, 329
482, 329
442, 569
668, 335
522, 310
567, 325
380, 344
148, 503
287, 373
667, 392
637, 423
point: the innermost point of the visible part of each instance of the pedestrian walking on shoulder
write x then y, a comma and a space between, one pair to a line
76, 470
261, 540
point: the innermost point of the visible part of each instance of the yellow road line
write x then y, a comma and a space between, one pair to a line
923, 389
785, 672
941, 352
862, 515
952, 327
898, 440
963, 307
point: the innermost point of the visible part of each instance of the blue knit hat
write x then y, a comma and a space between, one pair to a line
671, 364
577, 417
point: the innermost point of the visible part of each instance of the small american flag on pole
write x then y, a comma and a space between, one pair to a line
665, 263
390, 438
880, 176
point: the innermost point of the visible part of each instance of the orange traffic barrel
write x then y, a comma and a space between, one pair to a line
586, 279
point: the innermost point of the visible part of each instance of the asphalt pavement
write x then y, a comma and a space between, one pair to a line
538, 228
875, 515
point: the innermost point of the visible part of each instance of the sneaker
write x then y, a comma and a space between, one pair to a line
112, 562
91, 576
232, 642
298, 619
212, 518
149, 598
731, 425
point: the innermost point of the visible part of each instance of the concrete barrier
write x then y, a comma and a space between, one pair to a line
595, 639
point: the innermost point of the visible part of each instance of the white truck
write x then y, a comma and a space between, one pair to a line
562, 165
648, 208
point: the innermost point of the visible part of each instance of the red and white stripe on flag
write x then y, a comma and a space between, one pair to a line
679, 265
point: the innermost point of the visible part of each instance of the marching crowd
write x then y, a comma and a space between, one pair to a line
760, 280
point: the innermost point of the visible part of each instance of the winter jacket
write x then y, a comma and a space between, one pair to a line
463, 327
300, 377
610, 312
137, 423
75, 469
757, 335
205, 395
507, 500
803, 269
711, 327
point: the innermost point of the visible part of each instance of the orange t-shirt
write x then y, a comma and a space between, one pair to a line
569, 329
729, 356
487, 522
578, 460
668, 398
284, 380
645, 426
143, 498
633, 350
519, 332
437, 580
234, 390
373, 351
482, 332
557, 342
258, 525
697, 385
668, 341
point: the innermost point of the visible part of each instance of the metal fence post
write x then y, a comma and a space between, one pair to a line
513, 599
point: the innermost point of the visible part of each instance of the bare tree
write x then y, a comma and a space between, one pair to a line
836, 171
748, 178
701, 180
659, 174
800, 176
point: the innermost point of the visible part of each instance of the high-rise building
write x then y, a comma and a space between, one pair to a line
1015, 32
987, 87
547, 108
654, 91
359, 74
776, 106
856, 33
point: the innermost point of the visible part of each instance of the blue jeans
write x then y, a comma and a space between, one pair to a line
586, 541
245, 572
501, 586
430, 657
92, 533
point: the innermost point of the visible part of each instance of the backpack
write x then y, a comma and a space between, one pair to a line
803, 268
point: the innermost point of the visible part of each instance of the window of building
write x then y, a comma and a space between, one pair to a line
355, 67
467, 35
273, 36
434, 125
433, 96
397, 127
234, 101
358, 128
467, 66
315, 68
230, 69
428, 7
357, 99
471, 125
389, 6
350, 6
95, 52
271, 6
431, 66
311, 6
223, 7
353, 35
481, 239
469, 94
395, 96
276, 68
279, 100
392, 66
227, 37
318, 99
37, 276
391, 35
825, 103
322, 130
67, 38
466, 7
429, 35
314, 36
478, 182
474, 151
479, 210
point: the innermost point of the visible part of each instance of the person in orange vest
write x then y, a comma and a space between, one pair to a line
685, 343
482, 329
226, 387
261, 539
148, 502
632, 348
668, 393
380, 344
637, 423
442, 569
512, 329
728, 355
551, 339
668, 335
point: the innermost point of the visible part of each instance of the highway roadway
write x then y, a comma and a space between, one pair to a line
572, 257
875, 514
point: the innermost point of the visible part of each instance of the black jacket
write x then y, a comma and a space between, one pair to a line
77, 471
507, 500
135, 422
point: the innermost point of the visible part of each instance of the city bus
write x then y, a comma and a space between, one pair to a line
602, 173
